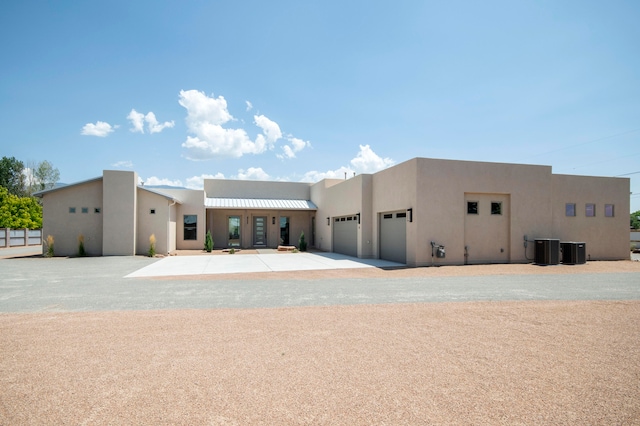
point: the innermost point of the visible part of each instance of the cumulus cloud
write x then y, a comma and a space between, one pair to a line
197, 182
270, 128
138, 119
100, 129
252, 173
366, 161
205, 117
297, 145
155, 181
123, 165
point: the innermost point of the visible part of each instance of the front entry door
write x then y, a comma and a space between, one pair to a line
259, 230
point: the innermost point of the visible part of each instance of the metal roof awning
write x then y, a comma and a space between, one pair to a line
258, 203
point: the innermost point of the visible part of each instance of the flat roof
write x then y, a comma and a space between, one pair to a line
259, 203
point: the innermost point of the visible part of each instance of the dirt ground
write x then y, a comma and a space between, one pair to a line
538, 362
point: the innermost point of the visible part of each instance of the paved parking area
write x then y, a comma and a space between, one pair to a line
243, 263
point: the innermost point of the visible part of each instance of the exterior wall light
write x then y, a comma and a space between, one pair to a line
273, 220
328, 221
358, 218
410, 214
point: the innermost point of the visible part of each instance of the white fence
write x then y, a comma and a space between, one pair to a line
20, 237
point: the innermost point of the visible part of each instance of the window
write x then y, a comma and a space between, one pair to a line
190, 227
152, 211
472, 207
590, 210
608, 210
234, 231
97, 210
496, 207
72, 209
388, 216
401, 214
570, 209
84, 209
284, 230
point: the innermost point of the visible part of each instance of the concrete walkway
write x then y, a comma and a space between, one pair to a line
230, 264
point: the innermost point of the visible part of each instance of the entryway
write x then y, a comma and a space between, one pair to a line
259, 231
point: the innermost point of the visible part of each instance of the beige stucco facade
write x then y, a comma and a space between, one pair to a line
475, 212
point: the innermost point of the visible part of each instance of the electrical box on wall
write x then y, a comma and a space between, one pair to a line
440, 252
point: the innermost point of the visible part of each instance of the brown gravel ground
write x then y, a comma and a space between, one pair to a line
573, 363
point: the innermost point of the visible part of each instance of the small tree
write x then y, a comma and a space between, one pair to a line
152, 245
50, 245
302, 243
208, 242
81, 250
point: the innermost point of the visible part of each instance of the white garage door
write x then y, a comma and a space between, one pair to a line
393, 236
345, 235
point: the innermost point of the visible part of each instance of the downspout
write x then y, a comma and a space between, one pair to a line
173, 203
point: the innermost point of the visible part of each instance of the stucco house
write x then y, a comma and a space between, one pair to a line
421, 212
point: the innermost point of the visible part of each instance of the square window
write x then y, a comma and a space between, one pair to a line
152, 211
590, 210
72, 209
570, 209
496, 207
84, 209
97, 210
608, 210
190, 227
472, 207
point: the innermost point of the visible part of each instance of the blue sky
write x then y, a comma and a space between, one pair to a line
297, 90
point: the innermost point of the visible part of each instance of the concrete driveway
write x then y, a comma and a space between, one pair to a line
242, 263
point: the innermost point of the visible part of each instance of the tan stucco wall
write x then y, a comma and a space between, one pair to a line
119, 192
222, 188
606, 237
158, 224
65, 227
192, 202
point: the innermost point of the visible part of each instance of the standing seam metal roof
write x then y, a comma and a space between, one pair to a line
258, 203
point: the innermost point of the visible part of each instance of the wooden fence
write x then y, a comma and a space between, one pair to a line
20, 237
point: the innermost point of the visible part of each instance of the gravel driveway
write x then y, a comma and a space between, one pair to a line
88, 349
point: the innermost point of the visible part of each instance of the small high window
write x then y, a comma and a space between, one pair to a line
570, 209
152, 211
608, 210
72, 209
496, 207
84, 209
472, 207
590, 210
97, 210
190, 227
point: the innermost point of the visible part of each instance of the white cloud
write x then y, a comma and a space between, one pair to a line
123, 165
368, 161
154, 126
100, 129
197, 182
249, 106
270, 128
297, 145
252, 173
205, 117
155, 181
137, 121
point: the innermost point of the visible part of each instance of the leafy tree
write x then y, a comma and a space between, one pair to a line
19, 212
635, 220
46, 175
12, 175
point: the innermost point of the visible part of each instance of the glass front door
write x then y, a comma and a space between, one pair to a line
234, 231
259, 230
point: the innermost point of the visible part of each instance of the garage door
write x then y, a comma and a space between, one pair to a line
345, 235
393, 236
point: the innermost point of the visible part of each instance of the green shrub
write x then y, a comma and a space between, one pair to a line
208, 242
232, 251
50, 242
152, 245
81, 250
302, 243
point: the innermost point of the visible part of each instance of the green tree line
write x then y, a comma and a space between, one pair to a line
18, 207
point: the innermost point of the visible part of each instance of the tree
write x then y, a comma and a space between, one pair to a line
46, 175
12, 175
19, 212
635, 220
